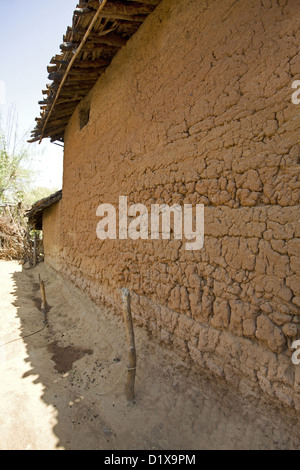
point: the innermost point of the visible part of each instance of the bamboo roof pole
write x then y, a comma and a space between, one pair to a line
95, 18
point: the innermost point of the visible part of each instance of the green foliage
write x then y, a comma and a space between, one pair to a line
34, 194
15, 176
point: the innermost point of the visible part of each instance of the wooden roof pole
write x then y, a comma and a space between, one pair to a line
95, 18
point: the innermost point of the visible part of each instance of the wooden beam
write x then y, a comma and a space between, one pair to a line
90, 3
43, 102
76, 99
137, 8
84, 75
130, 10
52, 68
79, 89
55, 121
49, 131
99, 44
55, 75
34, 139
153, 3
59, 137
66, 109
111, 15
111, 39
56, 126
57, 59
86, 64
92, 24
73, 72
69, 91
82, 11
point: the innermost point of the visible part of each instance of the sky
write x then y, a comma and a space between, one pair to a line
30, 35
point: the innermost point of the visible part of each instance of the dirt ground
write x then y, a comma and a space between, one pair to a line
63, 387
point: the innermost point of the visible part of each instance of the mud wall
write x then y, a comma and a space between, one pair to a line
197, 109
52, 235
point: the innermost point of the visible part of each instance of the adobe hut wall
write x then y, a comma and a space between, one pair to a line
51, 235
197, 109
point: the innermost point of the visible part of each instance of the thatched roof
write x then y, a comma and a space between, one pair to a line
99, 30
35, 214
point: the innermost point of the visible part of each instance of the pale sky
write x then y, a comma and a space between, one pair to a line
30, 34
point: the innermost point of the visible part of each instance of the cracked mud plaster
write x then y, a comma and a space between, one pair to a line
197, 109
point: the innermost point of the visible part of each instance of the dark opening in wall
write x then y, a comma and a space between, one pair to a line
84, 115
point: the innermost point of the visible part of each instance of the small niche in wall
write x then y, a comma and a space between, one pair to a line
84, 115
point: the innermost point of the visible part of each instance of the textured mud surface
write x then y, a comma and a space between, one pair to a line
64, 387
197, 109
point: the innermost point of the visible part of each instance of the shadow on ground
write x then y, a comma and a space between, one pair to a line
80, 359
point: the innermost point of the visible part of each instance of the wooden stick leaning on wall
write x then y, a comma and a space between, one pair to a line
131, 368
44, 301
35, 248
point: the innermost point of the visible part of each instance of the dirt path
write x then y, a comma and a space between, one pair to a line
63, 388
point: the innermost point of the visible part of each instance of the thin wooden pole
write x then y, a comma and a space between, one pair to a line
131, 368
44, 301
35, 249
95, 18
